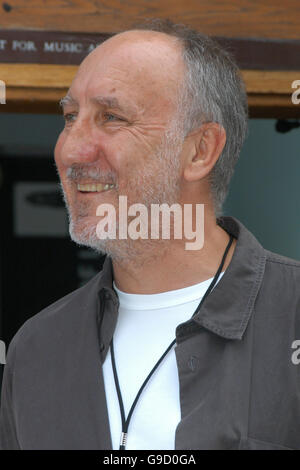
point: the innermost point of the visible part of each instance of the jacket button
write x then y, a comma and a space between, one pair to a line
102, 347
193, 363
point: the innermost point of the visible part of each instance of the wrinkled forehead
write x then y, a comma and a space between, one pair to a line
145, 68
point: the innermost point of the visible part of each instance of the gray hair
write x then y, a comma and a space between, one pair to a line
213, 91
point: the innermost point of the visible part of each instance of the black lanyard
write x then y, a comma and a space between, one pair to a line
126, 421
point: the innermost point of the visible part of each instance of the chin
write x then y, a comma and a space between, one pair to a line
83, 233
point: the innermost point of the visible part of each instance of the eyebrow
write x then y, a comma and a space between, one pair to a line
106, 101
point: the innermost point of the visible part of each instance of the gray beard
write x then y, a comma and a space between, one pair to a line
157, 187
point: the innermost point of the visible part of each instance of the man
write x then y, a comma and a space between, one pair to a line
158, 114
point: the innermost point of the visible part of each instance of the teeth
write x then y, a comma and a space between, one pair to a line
96, 188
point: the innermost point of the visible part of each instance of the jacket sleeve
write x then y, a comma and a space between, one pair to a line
8, 432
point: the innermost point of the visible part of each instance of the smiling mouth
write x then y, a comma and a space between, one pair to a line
94, 188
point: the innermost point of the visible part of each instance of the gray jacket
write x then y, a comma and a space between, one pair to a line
238, 365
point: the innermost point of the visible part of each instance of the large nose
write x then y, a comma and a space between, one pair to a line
79, 143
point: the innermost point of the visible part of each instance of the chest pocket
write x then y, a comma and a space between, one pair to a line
256, 444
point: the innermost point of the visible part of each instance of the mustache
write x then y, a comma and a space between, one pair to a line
77, 172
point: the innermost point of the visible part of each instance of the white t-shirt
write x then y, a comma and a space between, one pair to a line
145, 328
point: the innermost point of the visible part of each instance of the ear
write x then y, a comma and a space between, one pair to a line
206, 145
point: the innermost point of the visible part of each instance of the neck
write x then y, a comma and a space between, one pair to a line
170, 266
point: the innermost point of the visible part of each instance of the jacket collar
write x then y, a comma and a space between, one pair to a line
227, 309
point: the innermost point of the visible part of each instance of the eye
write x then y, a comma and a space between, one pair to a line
68, 117
109, 117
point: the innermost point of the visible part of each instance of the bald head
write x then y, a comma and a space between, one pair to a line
145, 64
156, 52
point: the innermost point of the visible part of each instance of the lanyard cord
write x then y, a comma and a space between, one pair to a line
125, 422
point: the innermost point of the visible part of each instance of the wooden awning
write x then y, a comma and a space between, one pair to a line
42, 43
37, 88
